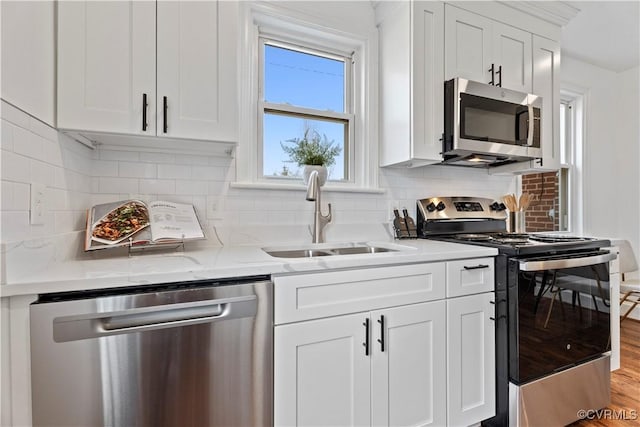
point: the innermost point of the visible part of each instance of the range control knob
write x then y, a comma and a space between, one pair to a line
440, 206
431, 207
495, 206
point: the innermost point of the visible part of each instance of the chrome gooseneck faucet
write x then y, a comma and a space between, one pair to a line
319, 220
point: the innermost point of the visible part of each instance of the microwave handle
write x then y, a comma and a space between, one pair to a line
531, 126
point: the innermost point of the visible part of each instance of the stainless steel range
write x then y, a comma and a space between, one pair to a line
552, 316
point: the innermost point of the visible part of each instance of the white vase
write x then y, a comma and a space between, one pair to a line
322, 173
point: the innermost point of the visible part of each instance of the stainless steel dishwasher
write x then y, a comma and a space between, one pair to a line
180, 354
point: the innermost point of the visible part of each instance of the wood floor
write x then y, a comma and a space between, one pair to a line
625, 382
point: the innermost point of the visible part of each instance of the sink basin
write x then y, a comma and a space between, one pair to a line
298, 253
325, 249
361, 250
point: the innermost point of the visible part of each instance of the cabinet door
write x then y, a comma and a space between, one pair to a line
408, 376
428, 77
197, 70
321, 373
467, 45
512, 52
28, 78
546, 83
471, 382
106, 62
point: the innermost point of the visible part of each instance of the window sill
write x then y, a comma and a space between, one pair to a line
302, 187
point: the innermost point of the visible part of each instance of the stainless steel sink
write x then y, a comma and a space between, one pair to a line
328, 250
298, 253
361, 250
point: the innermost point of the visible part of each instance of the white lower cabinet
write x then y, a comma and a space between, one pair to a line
408, 376
384, 346
471, 391
329, 372
322, 373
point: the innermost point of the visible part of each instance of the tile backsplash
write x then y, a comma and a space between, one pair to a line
33, 152
78, 177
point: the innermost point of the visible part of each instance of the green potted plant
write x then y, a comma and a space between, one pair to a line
314, 152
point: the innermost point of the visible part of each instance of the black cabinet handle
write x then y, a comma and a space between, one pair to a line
499, 73
476, 267
164, 114
493, 74
381, 340
366, 336
144, 111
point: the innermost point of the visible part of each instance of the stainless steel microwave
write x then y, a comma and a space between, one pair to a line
486, 125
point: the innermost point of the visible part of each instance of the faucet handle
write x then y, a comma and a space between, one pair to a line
328, 217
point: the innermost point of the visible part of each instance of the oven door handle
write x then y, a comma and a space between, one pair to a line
558, 264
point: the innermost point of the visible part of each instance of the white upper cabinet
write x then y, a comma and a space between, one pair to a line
165, 69
196, 72
106, 66
481, 49
411, 82
546, 83
28, 57
468, 45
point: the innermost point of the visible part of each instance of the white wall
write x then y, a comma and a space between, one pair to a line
33, 152
611, 149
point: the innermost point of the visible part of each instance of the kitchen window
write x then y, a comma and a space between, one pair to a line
303, 91
301, 72
559, 194
570, 173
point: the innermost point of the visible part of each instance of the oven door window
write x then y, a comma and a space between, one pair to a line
486, 119
562, 319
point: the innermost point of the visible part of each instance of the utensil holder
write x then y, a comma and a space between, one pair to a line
515, 222
519, 224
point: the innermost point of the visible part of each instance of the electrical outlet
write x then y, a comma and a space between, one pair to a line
37, 204
214, 209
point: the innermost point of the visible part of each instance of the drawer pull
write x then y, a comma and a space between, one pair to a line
476, 267
366, 336
381, 340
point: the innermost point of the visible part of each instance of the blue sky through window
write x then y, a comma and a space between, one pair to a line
303, 80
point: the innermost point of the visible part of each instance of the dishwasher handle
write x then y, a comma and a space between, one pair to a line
132, 321
73, 328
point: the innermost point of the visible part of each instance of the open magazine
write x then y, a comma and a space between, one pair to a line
132, 222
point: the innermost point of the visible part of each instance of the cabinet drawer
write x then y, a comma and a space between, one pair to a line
470, 276
311, 296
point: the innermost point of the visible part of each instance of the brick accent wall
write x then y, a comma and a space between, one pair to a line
545, 188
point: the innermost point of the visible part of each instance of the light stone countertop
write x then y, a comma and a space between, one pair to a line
198, 263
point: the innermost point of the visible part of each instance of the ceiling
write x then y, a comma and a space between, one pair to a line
604, 33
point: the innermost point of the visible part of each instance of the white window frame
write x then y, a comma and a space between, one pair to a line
273, 21
572, 157
296, 111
